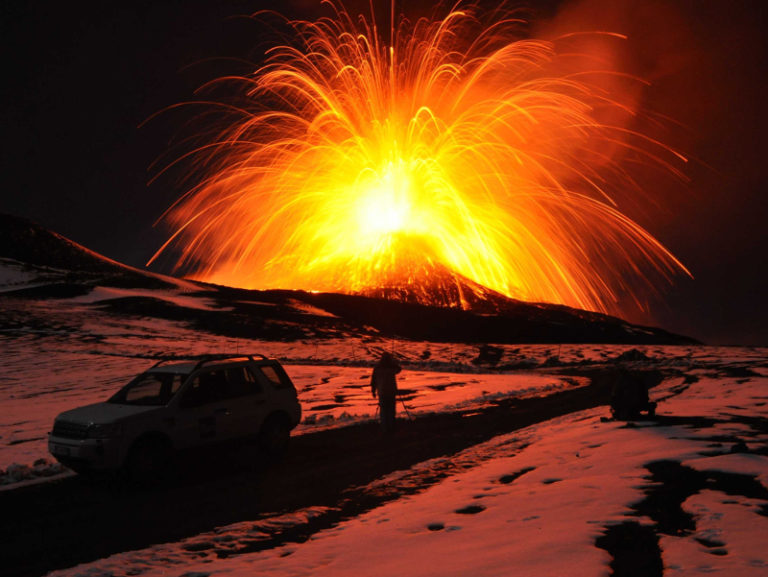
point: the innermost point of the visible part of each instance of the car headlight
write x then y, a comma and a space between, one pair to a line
108, 431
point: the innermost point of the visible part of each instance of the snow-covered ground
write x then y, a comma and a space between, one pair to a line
534, 502
62, 353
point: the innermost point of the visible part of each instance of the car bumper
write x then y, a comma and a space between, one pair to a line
95, 454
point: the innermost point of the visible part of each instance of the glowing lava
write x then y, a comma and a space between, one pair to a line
347, 164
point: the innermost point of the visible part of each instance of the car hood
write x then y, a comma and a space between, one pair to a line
103, 413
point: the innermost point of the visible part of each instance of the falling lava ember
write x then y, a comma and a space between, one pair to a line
460, 152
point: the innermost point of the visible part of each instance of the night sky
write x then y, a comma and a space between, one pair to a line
80, 79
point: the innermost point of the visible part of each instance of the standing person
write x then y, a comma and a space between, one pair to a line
384, 385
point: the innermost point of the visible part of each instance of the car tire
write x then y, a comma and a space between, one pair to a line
85, 473
148, 461
274, 436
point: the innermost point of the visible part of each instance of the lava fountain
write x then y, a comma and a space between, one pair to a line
455, 148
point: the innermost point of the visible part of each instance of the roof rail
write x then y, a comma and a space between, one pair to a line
208, 358
224, 356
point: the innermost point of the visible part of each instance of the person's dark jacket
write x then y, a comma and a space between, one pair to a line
383, 380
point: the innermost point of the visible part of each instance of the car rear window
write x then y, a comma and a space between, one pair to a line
276, 376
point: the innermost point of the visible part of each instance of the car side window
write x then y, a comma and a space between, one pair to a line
207, 387
242, 382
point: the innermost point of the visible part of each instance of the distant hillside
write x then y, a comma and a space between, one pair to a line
514, 322
56, 268
58, 258
27, 241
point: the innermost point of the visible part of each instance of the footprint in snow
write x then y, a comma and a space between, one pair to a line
507, 479
470, 510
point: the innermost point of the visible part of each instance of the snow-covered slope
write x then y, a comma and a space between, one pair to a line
36, 263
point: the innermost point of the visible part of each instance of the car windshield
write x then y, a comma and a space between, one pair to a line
152, 389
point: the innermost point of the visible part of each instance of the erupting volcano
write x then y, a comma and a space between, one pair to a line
449, 153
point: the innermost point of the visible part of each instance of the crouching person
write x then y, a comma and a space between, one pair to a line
629, 394
384, 386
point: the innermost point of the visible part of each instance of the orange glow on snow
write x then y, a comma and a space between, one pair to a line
352, 165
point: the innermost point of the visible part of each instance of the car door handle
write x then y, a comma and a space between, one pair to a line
221, 412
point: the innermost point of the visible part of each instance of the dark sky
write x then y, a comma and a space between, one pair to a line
79, 78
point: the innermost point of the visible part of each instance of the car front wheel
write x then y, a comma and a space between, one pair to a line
148, 461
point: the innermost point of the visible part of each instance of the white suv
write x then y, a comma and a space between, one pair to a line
177, 405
